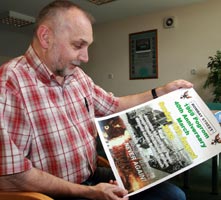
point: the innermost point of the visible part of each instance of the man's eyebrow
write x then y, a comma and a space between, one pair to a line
85, 42
81, 41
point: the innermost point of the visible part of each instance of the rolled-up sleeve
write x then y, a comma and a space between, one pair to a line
105, 102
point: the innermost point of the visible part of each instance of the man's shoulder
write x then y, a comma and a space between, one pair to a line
12, 64
10, 70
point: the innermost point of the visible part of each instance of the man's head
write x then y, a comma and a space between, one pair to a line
63, 34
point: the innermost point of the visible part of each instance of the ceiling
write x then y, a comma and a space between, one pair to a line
103, 13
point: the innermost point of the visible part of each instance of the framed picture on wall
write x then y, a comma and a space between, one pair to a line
143, 55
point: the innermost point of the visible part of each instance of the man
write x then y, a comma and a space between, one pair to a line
47, 106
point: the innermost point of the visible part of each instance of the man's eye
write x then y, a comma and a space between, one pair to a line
77, 46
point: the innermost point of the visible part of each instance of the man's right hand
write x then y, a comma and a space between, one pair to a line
107, 191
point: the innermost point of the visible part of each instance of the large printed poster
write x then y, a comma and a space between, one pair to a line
155, 141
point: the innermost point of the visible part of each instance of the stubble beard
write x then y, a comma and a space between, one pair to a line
67, 70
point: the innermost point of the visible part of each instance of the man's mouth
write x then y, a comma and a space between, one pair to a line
76, 63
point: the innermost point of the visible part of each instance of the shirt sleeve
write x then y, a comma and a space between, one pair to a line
105, 102
14, 135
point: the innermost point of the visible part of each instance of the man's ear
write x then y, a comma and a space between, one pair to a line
43, 34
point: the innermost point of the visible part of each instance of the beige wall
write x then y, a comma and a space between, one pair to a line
180, 49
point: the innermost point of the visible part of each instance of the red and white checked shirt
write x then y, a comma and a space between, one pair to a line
47, 125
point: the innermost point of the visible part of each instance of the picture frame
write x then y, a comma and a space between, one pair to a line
143, 58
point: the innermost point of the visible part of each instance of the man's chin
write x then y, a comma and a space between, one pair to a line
66, 72
72, 67
69, 71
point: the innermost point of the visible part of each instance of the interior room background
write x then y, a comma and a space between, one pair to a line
183, 51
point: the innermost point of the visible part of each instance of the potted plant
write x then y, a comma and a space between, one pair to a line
214, 76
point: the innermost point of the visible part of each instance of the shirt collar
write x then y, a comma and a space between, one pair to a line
40, 68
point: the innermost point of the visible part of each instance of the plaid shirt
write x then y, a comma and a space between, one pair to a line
47, 125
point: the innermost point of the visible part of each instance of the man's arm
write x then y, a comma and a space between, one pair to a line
136, 99
38, 181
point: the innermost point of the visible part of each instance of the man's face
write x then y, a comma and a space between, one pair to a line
69, 46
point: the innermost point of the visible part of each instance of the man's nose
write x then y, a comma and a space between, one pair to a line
83, 56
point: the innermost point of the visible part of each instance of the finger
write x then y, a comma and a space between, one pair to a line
120, 192
114, 182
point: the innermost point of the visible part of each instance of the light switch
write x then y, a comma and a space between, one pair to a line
110, 76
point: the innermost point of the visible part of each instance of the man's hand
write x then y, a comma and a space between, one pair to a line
174, 85
106, 191
113, 182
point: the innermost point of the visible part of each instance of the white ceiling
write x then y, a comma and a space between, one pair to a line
111, 11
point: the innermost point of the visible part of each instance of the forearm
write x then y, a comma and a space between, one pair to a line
136, 99
38, 181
